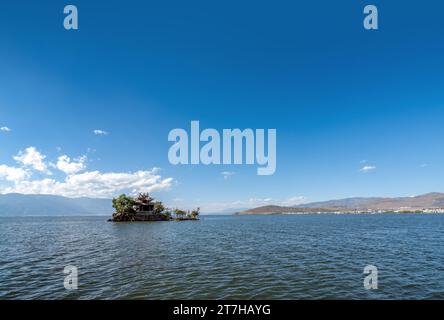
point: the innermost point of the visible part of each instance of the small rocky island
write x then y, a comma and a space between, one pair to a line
144, 208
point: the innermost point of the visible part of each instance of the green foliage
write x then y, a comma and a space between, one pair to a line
125, 211
179, 213
167, 214
123, 204
158, 207
195, 213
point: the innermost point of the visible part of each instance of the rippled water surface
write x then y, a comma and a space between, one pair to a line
224, 257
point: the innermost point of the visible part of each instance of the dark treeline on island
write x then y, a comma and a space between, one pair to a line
144, 208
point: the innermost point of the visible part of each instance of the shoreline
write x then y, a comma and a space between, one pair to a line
238, 215
296, 213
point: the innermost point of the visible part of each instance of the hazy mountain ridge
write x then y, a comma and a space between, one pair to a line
15, 204
48, 205
433, 200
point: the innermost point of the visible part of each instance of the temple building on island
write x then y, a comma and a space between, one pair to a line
144, 205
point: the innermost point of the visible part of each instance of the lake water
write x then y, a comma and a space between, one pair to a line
224, 257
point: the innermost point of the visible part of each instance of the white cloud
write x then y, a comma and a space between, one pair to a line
68, 166
13, 173
94, 184
76, 184
293, 201
251, 203
33, 158
99, 132
227, 174
5, 129
366, 169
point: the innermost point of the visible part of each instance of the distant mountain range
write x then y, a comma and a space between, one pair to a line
46, 205
433, 200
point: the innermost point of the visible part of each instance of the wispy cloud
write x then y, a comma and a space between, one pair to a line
293, 201
99, 132
227, 174
5, 129
366, 169
251, 203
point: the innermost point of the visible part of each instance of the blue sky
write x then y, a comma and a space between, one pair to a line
341, 98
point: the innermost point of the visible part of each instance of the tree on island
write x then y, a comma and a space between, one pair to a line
186, 215
167, 214
144, 208
179, 213
195, 213
124, 206
158, 207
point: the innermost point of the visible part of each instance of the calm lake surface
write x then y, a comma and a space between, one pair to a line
224, 257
